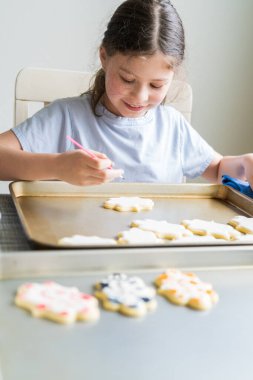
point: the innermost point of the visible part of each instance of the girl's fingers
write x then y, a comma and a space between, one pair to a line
99, 154
92, 181
103, 156
111, 174
107, 174
97, 163
98, 179
100, 162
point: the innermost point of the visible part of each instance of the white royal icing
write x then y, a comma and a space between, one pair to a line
187, 287
128, 291
129, 203
138, 236
85, 240
218, 230
242, 223
57, 298
162, 228
195, 239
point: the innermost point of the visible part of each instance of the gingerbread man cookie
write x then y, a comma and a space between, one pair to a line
56, 302
218, 230
127, 295
186, 289
129, 204
162, 229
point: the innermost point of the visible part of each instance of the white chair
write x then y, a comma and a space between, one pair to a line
36, 87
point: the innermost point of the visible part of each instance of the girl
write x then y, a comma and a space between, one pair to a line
121, 118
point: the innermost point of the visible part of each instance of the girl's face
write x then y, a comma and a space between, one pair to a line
134, 84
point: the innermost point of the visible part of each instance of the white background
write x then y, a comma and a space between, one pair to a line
66, 34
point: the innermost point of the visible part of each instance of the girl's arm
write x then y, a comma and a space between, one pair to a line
236, 166
75, 167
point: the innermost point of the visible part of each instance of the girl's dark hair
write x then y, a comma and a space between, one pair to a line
141, 27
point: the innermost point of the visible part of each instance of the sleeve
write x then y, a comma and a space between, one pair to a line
196, 153
46, 131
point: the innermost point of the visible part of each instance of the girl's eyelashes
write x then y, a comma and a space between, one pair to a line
155, 86
130, 81
127, 80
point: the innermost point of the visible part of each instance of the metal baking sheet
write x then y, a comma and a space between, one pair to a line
50, 210
171, 343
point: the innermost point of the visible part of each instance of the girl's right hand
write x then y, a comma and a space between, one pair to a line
77, 168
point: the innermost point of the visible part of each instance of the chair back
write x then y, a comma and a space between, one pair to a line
37, 87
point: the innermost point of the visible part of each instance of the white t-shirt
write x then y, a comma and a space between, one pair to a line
158, 147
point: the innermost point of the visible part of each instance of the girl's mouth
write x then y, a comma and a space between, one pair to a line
135, 108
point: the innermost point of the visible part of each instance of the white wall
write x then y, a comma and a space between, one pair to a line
219, 57
50, 33
220, 67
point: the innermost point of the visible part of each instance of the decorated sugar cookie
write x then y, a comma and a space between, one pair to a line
56, 302
85, 240
218, 230
242, 224
162, 229
138, 236
186, 289
127, 295
129, 204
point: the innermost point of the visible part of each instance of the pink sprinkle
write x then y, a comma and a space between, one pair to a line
84, 311
64, 313
60, 292
41, 306
28, 285
86, 296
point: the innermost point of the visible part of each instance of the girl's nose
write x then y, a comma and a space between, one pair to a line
140, 94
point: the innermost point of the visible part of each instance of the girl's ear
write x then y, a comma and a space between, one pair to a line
103, 57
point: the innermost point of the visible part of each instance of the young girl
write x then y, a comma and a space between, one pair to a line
121, 118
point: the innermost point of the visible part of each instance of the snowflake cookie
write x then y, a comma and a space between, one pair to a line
186, 289
242, 224
85, 240
56, 302
129, 204
138, 236
218, 230
162, 229
127, 295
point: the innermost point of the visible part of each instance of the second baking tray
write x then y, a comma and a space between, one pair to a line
50, 210
172, 342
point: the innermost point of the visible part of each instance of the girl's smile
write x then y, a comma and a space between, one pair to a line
134, 108
134, 84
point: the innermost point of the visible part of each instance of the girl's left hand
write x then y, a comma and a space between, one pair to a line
248, 168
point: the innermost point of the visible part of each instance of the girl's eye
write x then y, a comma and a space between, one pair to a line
127, 80
156, 87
